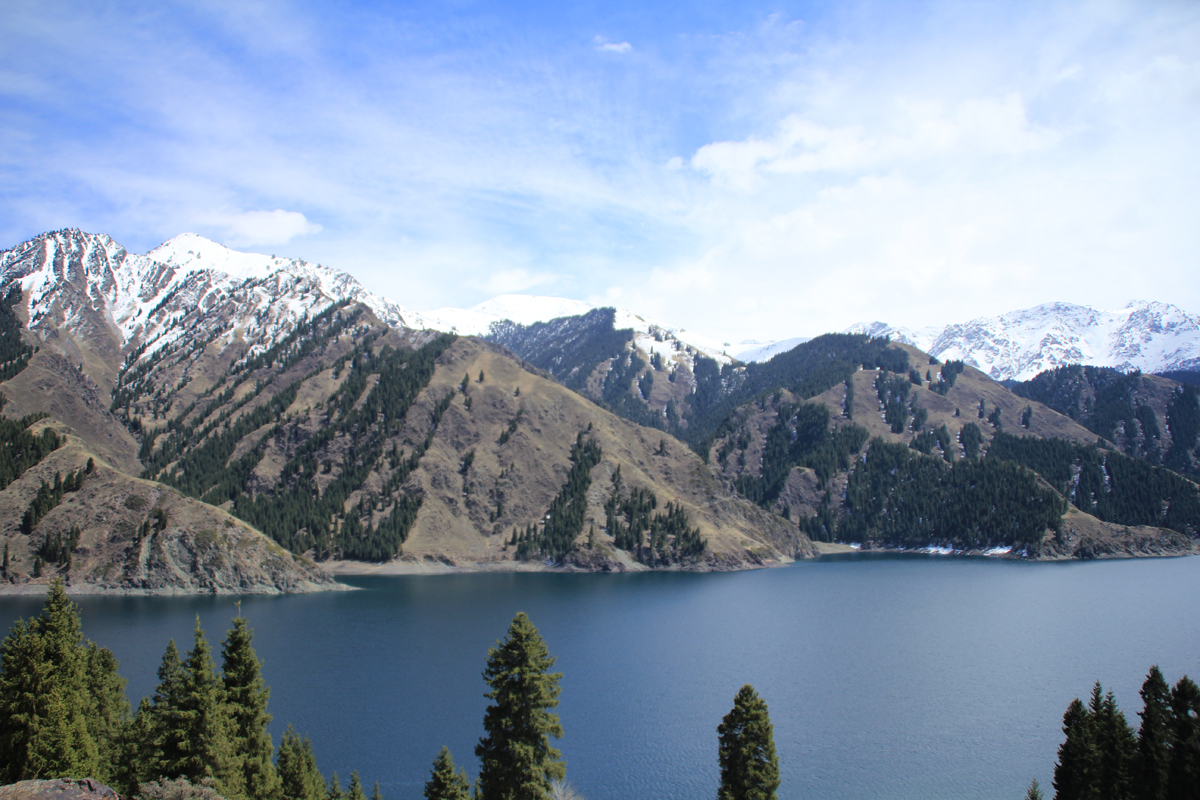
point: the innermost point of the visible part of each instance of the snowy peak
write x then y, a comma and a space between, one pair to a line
191, 252
1148, 336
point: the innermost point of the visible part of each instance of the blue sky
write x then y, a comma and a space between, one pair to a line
741, 169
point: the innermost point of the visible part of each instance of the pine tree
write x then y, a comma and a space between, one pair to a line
1183, 781
247, 697
44, 697
376, 794
356, 790
1154, 737
108, 711
1115, 744
299, 777
334, 791
1076, 773
1034, 792
204, 724
746, 750
446, 783
516, 759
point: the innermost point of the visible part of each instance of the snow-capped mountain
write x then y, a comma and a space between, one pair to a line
1149, 336
86, 293
490, 316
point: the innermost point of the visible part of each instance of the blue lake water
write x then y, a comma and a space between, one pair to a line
886, 677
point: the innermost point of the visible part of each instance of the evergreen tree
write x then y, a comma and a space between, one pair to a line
1183, 781
1034, 792
516, 759
1116, 747
160, 743
108, 711
204, 726
1076, 773
446, 783
335, 789
44, 698
247, 700
376, 794
746, 751
1154, 738
299, 777
356, 790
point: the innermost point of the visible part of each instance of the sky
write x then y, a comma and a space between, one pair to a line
742, 169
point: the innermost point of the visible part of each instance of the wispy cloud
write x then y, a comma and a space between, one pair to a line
742, 171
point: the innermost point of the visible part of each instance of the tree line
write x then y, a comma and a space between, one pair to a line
203, 734
1103, 758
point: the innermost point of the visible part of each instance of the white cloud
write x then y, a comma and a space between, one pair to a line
263, 227
605, 46
511, 281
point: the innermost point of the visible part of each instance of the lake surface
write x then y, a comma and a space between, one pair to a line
886, 677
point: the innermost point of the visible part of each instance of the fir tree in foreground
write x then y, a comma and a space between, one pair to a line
516, 759
749, 766
445, 782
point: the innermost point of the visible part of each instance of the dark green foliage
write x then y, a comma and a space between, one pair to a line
1102, 759
20, 449
848, 405
564, 520
900, 497
202, 740
445, 782
300, 516
1034, 792
355, 791
507, 433
1183, 421
516, 759
746, 750
800, 437
1027, 416
920, 415
949, 374
1110, 485
246, 697
569, 348
299, 777
915, 377
806, 371
970, 437
1077, 770
1155, 738
653, 539
48, 496
994, 420
893, 399
1103, 400
50, 684
14, 353
1183, 778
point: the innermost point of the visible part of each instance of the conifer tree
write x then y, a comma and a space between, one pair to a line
299, 777
376, 794
162, 746
1183, 782
356, 790
335, 789
204, 724
516, 759
44, 697
1034, 792
1154, 737
1075, 774
445, 782
1115, 745
108, 711
247, 696
746, 750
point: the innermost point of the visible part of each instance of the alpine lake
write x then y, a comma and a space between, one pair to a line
888, 676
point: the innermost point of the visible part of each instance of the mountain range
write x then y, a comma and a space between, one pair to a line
224, 421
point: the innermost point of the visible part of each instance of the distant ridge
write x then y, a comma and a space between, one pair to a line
1148, 336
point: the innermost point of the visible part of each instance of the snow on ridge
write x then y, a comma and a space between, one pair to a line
1147, 335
